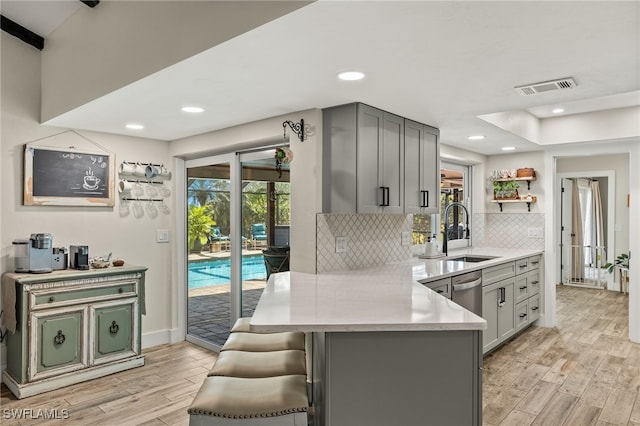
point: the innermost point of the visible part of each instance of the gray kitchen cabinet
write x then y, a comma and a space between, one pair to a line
421, 168
379, 163
73, 326
364, 162
498, 310
442, 287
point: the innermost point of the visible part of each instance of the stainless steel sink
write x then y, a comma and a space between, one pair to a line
472, 259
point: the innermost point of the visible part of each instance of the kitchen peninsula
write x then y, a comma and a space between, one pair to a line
386, 349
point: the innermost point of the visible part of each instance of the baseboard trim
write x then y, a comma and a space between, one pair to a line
161, 337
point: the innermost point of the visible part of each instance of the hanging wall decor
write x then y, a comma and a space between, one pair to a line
67, 176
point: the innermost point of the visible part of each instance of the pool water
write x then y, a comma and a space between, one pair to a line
214, 272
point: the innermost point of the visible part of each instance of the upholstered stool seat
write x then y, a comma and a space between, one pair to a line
259, 342
274, 401
242, 325
259, 364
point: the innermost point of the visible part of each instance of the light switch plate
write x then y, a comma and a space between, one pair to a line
535, 232
405, 238
341, 244
162, 236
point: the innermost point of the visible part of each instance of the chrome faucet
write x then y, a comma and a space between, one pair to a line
445, 237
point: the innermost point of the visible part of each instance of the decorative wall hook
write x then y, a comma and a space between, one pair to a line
300, 129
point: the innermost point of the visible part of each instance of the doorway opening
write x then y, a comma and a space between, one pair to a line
586, 229
238, 214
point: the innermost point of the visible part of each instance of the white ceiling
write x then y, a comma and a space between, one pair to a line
440, 63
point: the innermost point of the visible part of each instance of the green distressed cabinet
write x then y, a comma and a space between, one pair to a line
73, 326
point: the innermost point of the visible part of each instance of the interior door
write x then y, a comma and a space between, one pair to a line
565, 229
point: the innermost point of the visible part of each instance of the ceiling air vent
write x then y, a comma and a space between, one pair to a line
547, 86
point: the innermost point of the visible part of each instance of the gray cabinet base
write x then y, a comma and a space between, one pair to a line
29, 389
411, 378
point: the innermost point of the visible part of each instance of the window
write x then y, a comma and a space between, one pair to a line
455, 182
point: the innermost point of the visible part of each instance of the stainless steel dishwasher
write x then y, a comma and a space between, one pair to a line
466, 291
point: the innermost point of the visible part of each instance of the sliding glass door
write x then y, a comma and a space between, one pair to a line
237, 234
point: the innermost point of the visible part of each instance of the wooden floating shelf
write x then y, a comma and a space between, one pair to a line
500, 202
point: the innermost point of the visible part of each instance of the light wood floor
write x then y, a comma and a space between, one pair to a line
157, 394
583, 372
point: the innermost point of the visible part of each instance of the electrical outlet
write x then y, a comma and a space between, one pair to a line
405, 238
535, 232
341, 244
162, 236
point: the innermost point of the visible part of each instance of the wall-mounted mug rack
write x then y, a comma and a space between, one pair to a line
144, 170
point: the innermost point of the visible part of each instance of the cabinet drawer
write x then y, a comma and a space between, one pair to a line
58, 338
442, 287
522, 315
534, 308
522, 266
64, 296
521, 289
533, 281
497, 273
534, 262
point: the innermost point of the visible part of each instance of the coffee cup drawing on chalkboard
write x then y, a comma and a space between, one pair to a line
90, 181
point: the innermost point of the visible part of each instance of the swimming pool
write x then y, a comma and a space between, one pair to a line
214, 272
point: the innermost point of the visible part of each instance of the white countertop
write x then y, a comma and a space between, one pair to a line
382, 298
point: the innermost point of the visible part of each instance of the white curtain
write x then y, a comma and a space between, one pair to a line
577, 255
598, 221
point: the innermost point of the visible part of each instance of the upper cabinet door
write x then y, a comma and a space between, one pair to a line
391, 174
422, 169
368, 151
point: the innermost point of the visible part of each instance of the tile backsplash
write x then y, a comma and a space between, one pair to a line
372, 239
507, 230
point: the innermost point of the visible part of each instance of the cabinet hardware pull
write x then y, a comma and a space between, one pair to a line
114, 328
120, 290
503, 297
425, 198
535, 262
385, 190
440, 291
51, 299
523, 315
59, 338
523, 288
535, 308
522, 266
534, 282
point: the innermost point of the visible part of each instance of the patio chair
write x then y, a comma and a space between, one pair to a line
216, 235
259, 232
276, 259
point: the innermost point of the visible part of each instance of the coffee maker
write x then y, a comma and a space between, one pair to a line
79, 257
40, 253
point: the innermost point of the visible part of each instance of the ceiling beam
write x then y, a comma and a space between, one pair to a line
21, 32
90, 3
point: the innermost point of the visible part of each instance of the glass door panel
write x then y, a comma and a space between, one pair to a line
265, 224
209, 256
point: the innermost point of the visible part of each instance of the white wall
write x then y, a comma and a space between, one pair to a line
100, 50
101, 228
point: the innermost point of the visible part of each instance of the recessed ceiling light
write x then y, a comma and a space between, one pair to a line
192, 109
351, 75
508, 148
557, 110
476, 137
134, 126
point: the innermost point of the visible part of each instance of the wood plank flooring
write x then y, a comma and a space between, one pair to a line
158, 393
584, 372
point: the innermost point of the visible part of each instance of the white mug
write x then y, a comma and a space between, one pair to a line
164, 172
125, 187
126, 168
140, 170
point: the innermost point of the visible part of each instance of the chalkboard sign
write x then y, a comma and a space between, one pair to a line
67, 177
